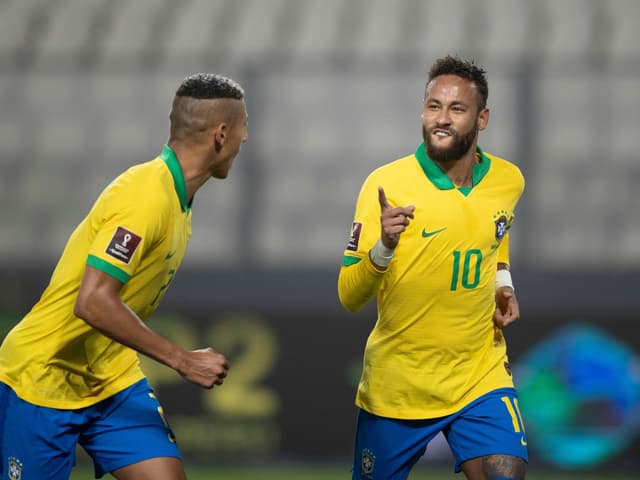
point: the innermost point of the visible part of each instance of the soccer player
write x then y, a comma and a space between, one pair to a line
430, 240
69, 370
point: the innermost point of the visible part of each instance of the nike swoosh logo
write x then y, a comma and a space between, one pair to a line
523, 442
169, 255
426, 234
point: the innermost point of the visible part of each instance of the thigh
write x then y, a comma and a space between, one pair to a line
489, 426
388, 448
162, 468
127, 429
495, 467
36, 442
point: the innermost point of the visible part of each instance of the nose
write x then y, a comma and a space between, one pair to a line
443, 117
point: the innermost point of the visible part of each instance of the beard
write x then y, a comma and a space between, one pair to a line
459, 146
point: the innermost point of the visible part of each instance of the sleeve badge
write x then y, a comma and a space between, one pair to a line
123, 245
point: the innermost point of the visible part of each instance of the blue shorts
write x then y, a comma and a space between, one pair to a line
40, 442
387, 448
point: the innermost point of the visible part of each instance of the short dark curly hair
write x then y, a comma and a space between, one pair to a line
467, 69
191, 114
210, 86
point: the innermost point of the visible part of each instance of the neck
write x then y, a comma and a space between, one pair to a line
460, 171
192, 160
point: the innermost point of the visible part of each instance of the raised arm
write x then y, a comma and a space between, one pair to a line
360, 278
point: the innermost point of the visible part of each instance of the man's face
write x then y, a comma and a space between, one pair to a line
450, 118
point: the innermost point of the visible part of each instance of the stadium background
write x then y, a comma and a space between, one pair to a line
333, 90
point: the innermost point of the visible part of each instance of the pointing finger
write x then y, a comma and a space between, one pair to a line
382, 198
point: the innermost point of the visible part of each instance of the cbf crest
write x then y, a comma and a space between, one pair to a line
14, 468
367, 461
502, 220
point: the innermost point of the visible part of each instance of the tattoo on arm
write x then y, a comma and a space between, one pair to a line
503, 466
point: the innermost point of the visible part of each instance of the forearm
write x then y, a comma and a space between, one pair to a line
358, 284
114, 319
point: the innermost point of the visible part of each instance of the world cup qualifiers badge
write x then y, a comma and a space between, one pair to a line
123, 244
354, 236
367, 462
15, 468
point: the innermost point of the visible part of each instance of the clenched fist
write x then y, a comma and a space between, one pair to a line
204, 367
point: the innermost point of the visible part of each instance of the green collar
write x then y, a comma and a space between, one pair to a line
170, 159
440, 179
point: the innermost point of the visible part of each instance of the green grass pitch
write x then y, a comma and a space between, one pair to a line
338, 472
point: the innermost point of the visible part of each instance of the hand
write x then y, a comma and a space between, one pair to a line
507, 308
204, 367
393, 220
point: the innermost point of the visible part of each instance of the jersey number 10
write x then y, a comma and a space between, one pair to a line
471, 261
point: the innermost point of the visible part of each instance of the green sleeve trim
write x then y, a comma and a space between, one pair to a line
348, 260
107, 268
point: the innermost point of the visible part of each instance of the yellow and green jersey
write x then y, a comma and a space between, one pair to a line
434, 347
137, 231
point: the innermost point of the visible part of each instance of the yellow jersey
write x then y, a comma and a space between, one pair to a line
434, 347
137, 231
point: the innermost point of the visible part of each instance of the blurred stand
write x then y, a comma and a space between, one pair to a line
334, 90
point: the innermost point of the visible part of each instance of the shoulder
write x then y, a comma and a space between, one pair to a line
141, 174
141, 184
388, 176
137, 197
394, 168
506, 170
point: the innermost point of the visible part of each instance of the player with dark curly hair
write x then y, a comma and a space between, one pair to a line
69, 370
430, 241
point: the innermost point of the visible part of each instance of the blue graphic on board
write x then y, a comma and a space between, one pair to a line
580, 396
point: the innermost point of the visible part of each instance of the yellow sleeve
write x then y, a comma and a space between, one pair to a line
359, 280
518, 180
503, 249
124, 227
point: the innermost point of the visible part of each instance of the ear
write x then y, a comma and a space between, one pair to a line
483, 118
220, 134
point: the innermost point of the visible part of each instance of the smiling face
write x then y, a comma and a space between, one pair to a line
451, 118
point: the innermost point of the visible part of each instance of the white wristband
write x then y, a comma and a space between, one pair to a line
381, 255
503, 279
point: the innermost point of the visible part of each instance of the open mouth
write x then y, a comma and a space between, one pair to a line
441, 133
